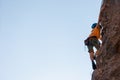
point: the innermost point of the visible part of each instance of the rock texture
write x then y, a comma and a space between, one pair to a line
108, 62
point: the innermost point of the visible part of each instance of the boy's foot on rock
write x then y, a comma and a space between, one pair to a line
93, 65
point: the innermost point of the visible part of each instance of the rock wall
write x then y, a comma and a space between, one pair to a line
108, 62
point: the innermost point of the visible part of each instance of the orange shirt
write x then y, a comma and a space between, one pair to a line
95, 32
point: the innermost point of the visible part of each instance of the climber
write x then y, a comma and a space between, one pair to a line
93, 41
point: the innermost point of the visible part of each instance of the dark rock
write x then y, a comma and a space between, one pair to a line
108, 62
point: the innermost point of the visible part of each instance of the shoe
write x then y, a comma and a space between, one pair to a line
93, 65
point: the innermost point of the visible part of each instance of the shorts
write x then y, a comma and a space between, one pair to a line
93, 42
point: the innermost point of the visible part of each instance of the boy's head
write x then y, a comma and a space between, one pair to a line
93, 25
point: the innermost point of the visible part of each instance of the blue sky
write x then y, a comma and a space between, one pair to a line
43, 39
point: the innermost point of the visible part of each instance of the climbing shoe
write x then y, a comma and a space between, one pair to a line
93, 65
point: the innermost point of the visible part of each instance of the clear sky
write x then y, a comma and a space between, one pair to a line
44, 39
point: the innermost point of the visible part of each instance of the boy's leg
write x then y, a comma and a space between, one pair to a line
92, 60
97, 46
91, 52
91, 55
97, 53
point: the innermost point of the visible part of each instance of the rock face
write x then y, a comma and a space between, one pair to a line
108, 62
